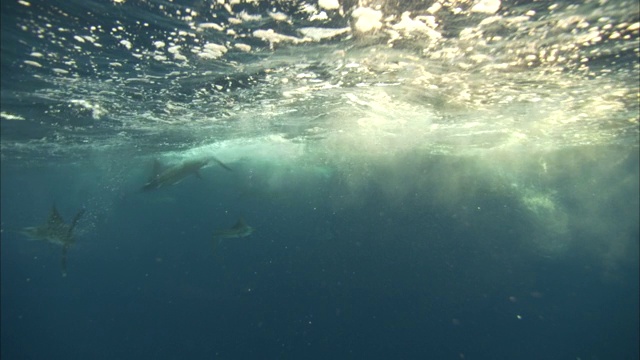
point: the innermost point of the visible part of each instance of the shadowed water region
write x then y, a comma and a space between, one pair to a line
319, 180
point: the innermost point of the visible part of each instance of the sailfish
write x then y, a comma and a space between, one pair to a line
239, 230
55, 231
174, 174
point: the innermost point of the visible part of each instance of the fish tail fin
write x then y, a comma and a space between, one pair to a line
75, 220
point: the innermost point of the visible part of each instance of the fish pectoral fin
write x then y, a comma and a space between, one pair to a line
221, 164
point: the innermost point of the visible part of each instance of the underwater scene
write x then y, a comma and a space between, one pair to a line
320, 179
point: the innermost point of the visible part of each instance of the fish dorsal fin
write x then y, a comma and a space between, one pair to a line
54, 217
241, 224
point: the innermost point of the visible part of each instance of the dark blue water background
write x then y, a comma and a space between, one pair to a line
319, 278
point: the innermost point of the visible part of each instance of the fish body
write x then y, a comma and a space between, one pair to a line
55, 231
174, 174
239, 230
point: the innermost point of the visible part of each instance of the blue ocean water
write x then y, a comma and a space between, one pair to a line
434, 182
